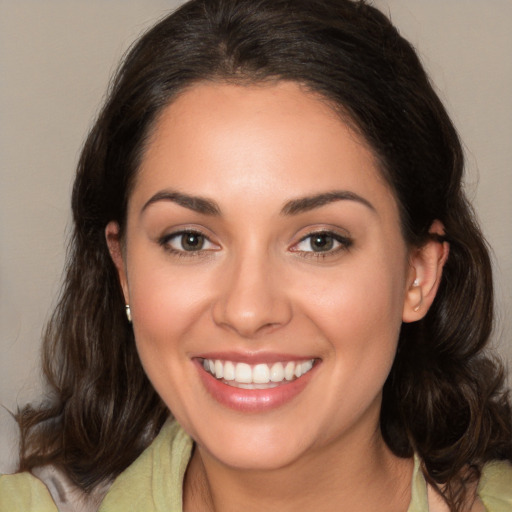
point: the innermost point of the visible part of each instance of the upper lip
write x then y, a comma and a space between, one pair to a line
253, 358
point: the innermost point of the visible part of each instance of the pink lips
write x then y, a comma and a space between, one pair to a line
252, 400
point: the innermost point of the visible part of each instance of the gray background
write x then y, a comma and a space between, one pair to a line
56, 57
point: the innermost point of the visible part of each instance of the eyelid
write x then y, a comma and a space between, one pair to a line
165, 242
344, 242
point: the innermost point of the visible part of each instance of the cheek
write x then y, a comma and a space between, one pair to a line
163, 295
166, 304
359, 311
361, 320
363, 296
167, 308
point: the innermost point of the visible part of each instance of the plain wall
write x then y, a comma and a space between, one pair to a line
56, 57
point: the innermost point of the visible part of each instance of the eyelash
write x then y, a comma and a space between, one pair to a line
166, 241
344, 244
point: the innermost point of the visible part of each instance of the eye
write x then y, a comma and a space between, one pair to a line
187, 241
322, 242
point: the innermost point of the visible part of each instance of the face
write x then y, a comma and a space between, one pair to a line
266, 273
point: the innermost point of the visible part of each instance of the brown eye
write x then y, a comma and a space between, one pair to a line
192, 241
184, 242
321, 242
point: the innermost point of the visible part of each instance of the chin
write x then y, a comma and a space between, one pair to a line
261, 446
255, 457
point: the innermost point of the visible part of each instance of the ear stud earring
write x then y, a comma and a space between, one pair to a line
416, 286
128, 313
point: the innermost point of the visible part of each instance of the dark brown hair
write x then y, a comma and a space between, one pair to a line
444, 398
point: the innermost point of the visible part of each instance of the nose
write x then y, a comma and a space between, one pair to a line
252, 298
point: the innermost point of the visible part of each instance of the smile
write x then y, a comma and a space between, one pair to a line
258, 387
258, 376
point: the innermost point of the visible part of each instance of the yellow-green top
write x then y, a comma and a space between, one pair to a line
154, 482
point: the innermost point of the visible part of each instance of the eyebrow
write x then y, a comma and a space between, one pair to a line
293, 207
194, 203
305, 204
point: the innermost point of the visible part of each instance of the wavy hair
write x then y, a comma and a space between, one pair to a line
444, 398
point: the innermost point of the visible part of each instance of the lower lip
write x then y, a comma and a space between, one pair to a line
253, 400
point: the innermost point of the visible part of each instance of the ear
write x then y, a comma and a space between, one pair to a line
116, 253
426, 268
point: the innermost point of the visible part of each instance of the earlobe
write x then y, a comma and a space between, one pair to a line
415, 295
426, 269
113, 239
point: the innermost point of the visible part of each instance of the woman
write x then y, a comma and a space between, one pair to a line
271, 242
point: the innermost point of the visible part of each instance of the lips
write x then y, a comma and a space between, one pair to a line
249, 386
244, 375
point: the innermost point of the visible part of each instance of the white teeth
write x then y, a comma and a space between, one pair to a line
219, 369
289, 371
259, 374
243, 373
277, 372
229, 371
306, 366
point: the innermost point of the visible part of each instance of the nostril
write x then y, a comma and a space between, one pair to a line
251, 299
254, 319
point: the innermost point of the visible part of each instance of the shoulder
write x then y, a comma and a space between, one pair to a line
494, 490
23, 492
154, 482
495, 486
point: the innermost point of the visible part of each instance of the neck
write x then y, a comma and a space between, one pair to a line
356, 474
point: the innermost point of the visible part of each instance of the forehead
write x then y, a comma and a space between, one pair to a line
255, 141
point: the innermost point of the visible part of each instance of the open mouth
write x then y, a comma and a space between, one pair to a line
258, 376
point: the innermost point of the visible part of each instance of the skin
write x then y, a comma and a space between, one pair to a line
258, 286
